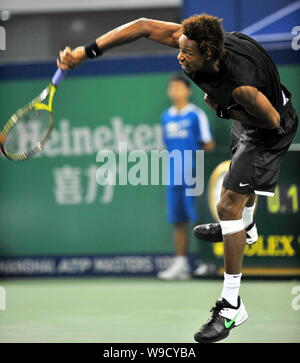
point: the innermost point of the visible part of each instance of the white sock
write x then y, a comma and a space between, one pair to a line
231, 288
248, 213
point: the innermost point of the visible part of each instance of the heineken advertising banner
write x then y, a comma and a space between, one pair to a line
57, 220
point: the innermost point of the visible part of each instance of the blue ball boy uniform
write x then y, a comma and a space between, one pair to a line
185, 129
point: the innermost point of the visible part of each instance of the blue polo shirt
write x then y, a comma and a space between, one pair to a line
184, 129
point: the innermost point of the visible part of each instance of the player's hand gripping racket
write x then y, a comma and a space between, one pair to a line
37, 118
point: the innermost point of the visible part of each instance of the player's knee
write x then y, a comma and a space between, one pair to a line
230, 214
224, 211
228, 209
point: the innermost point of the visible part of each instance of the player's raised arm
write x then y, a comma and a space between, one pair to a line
160, 31
259, 110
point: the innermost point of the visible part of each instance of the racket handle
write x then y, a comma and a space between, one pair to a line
58, 76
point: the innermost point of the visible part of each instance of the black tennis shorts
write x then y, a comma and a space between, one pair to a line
257, 154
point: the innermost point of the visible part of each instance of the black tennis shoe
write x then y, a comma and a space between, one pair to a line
224, 318
212, 232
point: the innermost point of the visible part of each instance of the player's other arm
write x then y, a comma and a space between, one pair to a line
162, 32
259, 111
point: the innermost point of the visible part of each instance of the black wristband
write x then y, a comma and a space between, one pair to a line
222, 112
92, 50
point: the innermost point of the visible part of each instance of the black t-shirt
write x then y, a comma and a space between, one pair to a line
245, 63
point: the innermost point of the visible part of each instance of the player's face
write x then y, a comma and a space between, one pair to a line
178, 91
189, 56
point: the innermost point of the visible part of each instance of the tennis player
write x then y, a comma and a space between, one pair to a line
242, 83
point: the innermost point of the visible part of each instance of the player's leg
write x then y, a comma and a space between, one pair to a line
249, 172
248, 211
247, 216
229, 310
248, 219
179, 268
212, 232
230, 209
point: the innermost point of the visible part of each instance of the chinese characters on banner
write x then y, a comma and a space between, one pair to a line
75, 185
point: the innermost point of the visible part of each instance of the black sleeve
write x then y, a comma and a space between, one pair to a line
245, 73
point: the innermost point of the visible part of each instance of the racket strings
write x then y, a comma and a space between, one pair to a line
28, 134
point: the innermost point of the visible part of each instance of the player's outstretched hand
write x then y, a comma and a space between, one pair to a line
71, 58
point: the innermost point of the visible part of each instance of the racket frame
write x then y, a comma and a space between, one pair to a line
36, 104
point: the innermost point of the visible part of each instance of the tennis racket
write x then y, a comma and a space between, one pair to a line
35, 118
